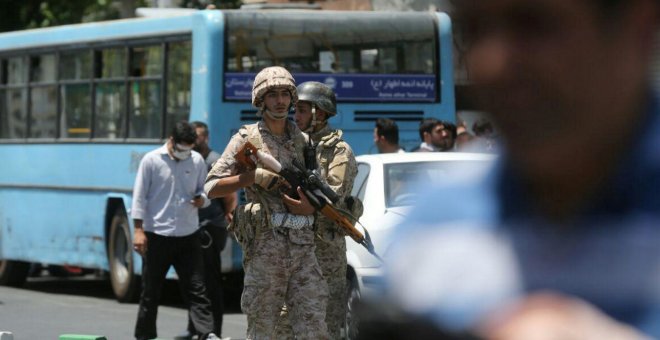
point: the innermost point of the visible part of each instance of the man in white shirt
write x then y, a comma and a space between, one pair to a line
169, 189
386, 136
436, 135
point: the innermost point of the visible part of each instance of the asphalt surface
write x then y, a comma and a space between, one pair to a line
47, 307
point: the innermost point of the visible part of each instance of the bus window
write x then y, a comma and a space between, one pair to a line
343, 61
110, 109
144, 115
75, 100
13, 99
111, 63
110, 93
43, 97
178, 82
17, 71
75, 65
43, 112
379, 60
145, 92
146, 61
370, 52
76, 114
42, 68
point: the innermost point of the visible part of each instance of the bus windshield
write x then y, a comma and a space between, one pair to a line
377, 56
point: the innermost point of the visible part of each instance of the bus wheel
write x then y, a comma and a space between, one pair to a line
13, 273
125, 283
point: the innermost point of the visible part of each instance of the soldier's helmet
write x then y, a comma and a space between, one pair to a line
274, 76
320, 95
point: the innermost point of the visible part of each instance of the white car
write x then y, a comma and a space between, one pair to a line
388, 185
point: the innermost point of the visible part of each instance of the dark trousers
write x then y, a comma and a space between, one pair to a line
213, 240
184, 253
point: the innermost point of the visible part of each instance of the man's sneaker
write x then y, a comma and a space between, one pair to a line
212, 336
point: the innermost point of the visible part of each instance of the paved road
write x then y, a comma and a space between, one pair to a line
48, 307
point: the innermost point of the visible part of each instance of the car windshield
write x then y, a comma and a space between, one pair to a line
404, 180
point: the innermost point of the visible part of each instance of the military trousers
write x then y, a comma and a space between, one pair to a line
331, 256
279, 271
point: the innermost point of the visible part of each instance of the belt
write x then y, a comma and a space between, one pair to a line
291, 221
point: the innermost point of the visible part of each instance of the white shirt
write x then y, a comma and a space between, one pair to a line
164, 189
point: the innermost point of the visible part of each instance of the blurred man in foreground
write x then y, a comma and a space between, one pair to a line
561, 239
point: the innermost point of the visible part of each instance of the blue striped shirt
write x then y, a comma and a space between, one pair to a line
471, 246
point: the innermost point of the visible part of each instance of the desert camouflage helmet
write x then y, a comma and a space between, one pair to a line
320, 95
268, 78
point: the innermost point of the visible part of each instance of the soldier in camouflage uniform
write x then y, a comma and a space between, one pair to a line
337, 165
274, 230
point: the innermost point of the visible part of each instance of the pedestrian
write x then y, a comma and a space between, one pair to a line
464, 142
386, 136
316, 104
169, 189
436, 135
485, 136
213, 222
274, 229
560, 240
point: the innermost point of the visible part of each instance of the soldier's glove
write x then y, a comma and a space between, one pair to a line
268, 179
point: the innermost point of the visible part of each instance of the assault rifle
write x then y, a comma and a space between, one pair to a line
319, 194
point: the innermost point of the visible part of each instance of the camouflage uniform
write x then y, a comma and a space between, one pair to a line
338, 167
279, 262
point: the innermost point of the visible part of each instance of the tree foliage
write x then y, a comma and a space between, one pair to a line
25, 14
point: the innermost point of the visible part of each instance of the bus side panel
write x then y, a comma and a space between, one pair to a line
53, 199
53, 226
207, 69
101, 167
208, 82
207, 105
446, 62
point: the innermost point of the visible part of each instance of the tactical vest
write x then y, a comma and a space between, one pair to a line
325, 148
253, 136
250, 218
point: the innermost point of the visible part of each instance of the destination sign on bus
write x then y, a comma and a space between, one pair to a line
351, 87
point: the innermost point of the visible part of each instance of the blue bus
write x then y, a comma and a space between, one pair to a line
81, 104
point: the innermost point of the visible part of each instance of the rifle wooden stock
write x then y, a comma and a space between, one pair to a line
248, 156
330, 212
245, 155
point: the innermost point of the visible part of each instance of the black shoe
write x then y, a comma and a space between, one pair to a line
185, 335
